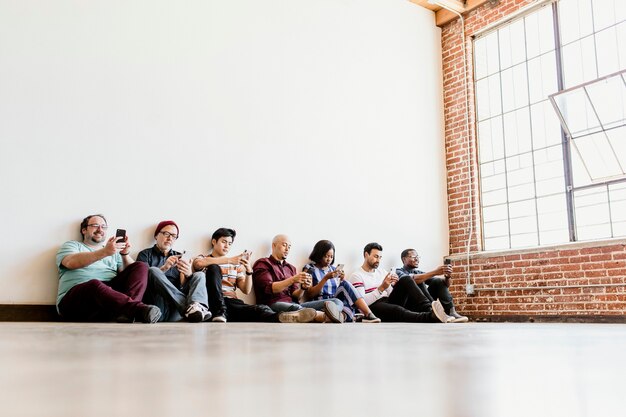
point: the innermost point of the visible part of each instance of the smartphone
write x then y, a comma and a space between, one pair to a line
447, 261
120, 235
183, 256
340, 267
246, 255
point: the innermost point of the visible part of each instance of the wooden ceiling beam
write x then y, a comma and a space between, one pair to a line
443, 16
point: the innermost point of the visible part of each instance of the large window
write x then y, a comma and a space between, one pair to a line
530, 170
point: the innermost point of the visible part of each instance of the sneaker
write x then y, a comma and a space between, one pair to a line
439, 313
147, 314
333, 312
305, 315
197, 312
370, 318
457, 318
219, 319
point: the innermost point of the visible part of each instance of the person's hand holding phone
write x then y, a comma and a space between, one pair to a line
170, 262
184, 266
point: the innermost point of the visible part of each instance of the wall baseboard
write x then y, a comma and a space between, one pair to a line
34, 312
551, 319
28, 312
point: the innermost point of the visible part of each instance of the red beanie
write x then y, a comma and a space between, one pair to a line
166, 223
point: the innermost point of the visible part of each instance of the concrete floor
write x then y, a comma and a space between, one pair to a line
486, 369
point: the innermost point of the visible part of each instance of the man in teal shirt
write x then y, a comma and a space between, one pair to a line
99, 281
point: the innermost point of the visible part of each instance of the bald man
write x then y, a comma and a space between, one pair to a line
278, 285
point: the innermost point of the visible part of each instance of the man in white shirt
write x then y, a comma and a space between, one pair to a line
390, 298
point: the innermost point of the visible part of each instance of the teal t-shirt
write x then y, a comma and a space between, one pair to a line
105, 269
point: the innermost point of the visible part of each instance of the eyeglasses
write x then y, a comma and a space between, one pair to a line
98, 226
168, 234
415, 258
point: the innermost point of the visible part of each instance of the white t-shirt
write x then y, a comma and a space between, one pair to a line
367, 284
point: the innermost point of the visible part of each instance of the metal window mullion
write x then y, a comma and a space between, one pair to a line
506, 174
532, 142
567, 160
608, 202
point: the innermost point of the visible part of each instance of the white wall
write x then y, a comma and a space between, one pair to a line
319, 119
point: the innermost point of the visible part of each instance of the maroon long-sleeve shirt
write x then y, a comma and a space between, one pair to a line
266, 271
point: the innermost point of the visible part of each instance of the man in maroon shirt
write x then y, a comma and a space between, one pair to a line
278, 285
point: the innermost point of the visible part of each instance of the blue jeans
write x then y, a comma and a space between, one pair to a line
172, 301
318, 305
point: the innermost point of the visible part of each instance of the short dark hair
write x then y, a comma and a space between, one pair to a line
85, 222
223, 232
320, 249
405, 253
371, 246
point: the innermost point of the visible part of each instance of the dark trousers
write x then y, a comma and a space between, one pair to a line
233, 309
437, 289
97, 300
215, 295
407, 303
238, 311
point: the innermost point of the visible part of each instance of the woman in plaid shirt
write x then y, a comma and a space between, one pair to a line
329, 282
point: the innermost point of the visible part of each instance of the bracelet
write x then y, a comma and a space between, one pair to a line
248, 273
124, 254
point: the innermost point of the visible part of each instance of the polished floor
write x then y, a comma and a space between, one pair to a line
475, 369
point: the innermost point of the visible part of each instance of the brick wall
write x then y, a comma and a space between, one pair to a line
591, 277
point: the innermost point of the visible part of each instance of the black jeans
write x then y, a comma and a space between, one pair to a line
437, 289
233, 309
407, 303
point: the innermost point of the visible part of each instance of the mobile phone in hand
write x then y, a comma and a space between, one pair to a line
120, 235
340, 267
246, 255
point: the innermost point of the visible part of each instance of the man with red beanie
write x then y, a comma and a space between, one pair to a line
172, 285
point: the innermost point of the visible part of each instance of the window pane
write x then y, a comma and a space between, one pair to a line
579, 62
552, 218
486, 56
575, 19
495, 229
497, 243
517, 137
592, 213
539, 33
546, 129
608, 52
493, 213
491, 140
514, 88
598, 157
608, 98
542, 79
549, 171
604, 14
617, 201
512, 44
524, 240
488, 97
578, 113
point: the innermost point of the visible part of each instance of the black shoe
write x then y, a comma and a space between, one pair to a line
147, 314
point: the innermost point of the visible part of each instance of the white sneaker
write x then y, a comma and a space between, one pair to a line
439, 312
197, 312
219, 319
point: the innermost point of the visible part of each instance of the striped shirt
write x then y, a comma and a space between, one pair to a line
330, 287
231, 273
367, 283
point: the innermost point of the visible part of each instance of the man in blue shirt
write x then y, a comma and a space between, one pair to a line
98, 280
172, 285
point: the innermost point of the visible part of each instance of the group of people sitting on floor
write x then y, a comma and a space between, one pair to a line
100, 281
